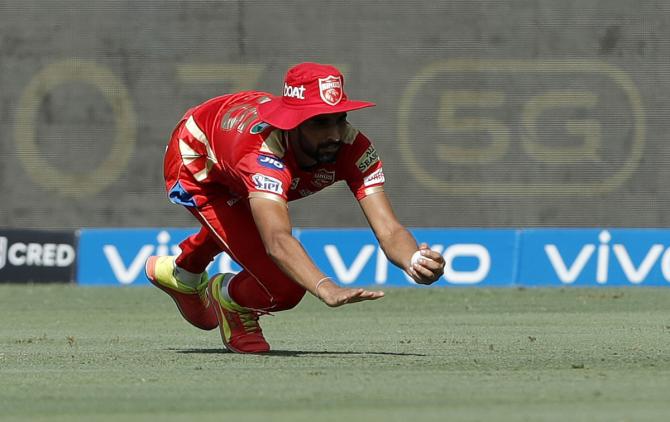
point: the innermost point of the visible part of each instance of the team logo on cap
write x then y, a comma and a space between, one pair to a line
330, 89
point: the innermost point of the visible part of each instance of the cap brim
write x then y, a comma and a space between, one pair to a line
283, 116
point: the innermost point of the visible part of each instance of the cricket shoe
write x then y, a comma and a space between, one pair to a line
239, 326
192, 303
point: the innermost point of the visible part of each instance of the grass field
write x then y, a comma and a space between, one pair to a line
86, 354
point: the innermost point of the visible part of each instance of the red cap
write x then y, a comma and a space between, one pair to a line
309, 89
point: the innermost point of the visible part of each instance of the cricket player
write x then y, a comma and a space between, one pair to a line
234, 162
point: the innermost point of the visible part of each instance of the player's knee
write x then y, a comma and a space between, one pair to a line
288, 300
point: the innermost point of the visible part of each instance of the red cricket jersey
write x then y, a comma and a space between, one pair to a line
224, 142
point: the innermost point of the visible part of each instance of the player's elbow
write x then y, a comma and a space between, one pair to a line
388, 235
278, 247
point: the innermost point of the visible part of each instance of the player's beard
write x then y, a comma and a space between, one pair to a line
325, 154
322, 154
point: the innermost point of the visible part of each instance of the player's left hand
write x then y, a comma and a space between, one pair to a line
429, 268
333, 295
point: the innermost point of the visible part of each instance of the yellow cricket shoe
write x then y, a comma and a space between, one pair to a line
239, 326
191, 302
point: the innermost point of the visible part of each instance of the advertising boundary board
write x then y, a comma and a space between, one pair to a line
37, 256
474, 257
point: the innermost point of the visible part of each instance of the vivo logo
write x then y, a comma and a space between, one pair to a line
128, 272
602, 253
350, 273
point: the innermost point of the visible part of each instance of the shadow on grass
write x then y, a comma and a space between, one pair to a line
298, 353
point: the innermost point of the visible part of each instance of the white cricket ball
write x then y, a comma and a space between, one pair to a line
416, 256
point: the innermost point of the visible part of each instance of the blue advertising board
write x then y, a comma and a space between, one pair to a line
474, 257
351, 256
117, 256
595, 257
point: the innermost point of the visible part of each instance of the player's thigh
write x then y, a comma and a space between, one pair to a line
231, 223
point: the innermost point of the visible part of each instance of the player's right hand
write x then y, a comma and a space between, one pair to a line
333, 295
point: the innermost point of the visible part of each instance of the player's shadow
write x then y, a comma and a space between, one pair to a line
298, 353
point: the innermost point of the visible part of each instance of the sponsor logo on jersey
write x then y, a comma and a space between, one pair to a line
305, 192
374, 178
330, 89
294, 91
294, 183
267, 183
323, 178
258, 128
270, 162
368, 158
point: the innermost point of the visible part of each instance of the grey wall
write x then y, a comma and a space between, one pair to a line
490, 113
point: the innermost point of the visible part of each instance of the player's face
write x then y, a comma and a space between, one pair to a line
320, 137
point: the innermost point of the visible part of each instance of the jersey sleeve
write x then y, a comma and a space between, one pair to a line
363, 172
265, 176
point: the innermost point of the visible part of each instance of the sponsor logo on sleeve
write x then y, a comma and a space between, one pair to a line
270, 162
374, 178
368, 158
267, 183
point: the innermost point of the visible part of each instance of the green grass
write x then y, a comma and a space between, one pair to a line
82, 354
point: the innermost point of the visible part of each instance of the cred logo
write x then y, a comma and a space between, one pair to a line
35, 254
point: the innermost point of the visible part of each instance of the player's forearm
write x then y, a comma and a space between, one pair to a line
290, 256
398, 246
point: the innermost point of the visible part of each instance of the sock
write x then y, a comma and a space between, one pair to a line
224, 290
187, 277
245, 291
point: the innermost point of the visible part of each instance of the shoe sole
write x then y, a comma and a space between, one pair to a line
151, 275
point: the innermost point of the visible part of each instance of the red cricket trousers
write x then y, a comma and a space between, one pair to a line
227, 226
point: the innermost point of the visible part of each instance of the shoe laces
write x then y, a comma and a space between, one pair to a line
203, 296
202, 292
249, 319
